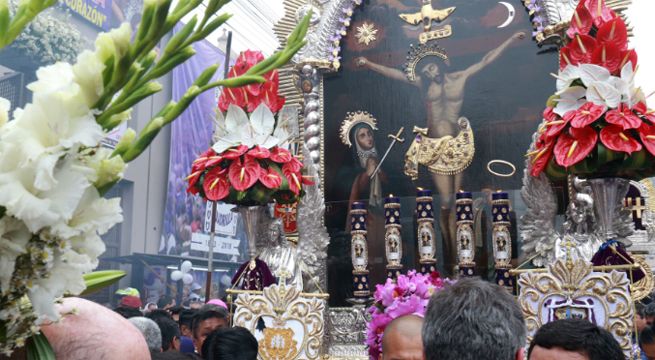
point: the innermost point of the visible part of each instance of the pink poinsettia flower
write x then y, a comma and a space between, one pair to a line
585, 115
575, 145
624, 117
614, 138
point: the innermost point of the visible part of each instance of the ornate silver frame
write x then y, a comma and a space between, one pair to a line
302, 84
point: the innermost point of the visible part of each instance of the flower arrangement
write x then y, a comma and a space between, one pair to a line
248, 165
597, 123
408, 295
53, 170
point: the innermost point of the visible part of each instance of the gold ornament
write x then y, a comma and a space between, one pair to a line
446, 155
366, 33
417, 53
427, 15
352, 119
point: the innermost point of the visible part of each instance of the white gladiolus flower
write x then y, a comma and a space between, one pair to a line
14, 237
88, 74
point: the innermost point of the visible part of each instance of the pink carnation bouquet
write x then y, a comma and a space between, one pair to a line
407, 295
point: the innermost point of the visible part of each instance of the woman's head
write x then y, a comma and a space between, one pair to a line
363, 137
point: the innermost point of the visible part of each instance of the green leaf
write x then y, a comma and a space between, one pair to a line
98, 280
38, 348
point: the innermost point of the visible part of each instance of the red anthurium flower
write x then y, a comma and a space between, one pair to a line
216, 185
600, 12
293, 177
244, 174
585, 115
629, 55
193, 180
272, 100
229, 96
640, 107
259, 152
565, 58
581, 48
623, 117
608, 56
200, 163
615, 139
575, 145
270, 178
308, 180
549, 114
280, 155
581, 22
214, 160
647, 135
294, 164
540, 158
555, 126
614, 32
234, 152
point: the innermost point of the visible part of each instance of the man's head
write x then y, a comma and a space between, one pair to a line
431, 71
165, 302
185, 321
170, 334
205, 321
574, 339
402, 339
473, 319
150, 332
84, 334
234, 343
647, 342
645, 315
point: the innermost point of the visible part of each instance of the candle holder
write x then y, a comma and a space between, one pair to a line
392, 238
502, 239
465, 235
359, 251
427, 245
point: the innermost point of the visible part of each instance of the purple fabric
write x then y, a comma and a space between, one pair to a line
186, 345
605, 256
190, 135
255, 279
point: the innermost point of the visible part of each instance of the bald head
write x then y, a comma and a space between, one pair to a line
94, 332
402, 339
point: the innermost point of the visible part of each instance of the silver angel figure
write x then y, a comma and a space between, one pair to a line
281, 255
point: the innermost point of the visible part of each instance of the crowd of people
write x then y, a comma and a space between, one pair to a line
469, 320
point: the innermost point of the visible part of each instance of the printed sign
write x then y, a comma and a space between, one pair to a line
97, 12
222, 245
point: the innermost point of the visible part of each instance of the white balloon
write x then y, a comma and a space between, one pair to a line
176, 275
187, 279
226, 280
186, 266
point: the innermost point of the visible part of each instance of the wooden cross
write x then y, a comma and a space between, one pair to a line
638, 207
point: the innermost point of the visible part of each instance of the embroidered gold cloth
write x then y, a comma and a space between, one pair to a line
446, 155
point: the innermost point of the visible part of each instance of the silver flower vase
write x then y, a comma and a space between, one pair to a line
251, 216
608, 194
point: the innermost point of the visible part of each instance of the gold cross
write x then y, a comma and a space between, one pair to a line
638, 207
397, 135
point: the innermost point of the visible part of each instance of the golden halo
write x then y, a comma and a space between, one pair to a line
497, 161
352, 119
417, 53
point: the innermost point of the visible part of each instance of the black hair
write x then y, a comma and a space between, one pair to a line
171, 355
207, 313
235, 343
649, 310
158, 314
186, 317
647, 336
163, 301
169, 331
175, 310
128, 312
579, 336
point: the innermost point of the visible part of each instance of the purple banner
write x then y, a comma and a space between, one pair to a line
184, 216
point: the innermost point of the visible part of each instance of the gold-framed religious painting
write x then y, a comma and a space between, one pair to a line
468, 86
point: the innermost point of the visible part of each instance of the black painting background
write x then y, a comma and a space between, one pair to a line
503, 103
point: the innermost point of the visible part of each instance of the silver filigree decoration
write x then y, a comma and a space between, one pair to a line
347, 332
313, 236
309, 83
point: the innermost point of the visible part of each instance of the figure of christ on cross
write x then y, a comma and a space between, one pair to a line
443, 94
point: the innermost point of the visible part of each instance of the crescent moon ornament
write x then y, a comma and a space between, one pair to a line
510, 15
